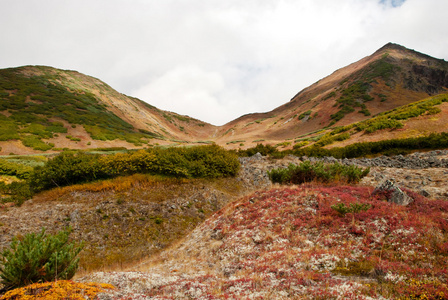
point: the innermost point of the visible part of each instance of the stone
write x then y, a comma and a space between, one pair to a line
424, 193
257, 156
395, 194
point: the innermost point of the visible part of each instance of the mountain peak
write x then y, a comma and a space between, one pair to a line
392, 46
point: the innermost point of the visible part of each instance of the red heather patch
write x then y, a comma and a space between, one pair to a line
290, 243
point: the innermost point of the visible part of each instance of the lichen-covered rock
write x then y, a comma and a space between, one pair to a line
393, 193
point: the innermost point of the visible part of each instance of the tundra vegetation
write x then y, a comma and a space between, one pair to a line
318, 172
311, 242
69, 168
384, 147
32, 101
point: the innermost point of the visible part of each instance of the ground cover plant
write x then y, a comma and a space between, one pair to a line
391, 119
61, 289
294, 243
318, 172
38, 258
385, 147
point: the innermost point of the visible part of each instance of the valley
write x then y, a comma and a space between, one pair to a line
170, 207
46, 110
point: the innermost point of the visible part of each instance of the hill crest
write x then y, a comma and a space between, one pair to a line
99, 116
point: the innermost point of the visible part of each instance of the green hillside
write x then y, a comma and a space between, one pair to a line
30, 104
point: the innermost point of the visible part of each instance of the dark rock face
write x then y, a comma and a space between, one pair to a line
432, 80
393, 192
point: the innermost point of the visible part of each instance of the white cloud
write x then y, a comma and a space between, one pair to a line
187, 89
214, 60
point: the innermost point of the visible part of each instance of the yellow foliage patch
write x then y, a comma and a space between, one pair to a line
117, 184
62, 289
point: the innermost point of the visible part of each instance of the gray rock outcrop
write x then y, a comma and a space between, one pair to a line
393, 192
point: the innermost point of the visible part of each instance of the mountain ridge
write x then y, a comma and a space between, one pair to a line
390, 77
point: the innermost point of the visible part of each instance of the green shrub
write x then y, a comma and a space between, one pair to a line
373, 125
283, 144
355, 208
210, 161
74, 139
18, 192
300, 144
8, 129
393, 146
36, 143
259, 148
37, 129
320, 172
329, 139
39, 258
13, 169
305, 114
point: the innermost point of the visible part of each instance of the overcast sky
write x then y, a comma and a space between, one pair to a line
214, 60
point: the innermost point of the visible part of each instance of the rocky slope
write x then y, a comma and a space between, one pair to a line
244, 251
287, 243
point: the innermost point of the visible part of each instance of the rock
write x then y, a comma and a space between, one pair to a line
424, 193
257, 156
394, 193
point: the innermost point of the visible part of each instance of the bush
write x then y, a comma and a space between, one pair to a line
19, 192
300, 144
305, 114
14, 169
330, 139
36, 143
39, 258
209, 161
394, 146
320, 172
65, 169
378, 124
260, 148
354, 208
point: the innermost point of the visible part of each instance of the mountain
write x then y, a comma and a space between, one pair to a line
47, 109
391, 77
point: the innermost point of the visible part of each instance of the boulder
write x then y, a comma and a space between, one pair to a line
393, 193
424, 193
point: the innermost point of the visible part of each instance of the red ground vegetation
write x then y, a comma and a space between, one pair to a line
291, 243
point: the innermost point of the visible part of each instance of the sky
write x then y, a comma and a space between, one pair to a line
214, 60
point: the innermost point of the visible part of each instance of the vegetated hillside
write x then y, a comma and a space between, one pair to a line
121, 220
416, 120
305, 242
391, 77
151, 199
47, 109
